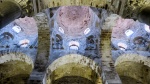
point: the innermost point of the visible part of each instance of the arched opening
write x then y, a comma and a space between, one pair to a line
57, 42
73, 69
6, 37
144, 15
15, 68
140, 43
58, 38
133, 69
91, 43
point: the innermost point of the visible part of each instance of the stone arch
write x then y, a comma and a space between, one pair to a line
15, 68
144, 15
73, 67
133, 68
90, 42
56, 3
90, 39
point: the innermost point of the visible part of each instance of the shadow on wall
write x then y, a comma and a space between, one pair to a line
144, 15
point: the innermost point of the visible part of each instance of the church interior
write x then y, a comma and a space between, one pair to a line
74, 41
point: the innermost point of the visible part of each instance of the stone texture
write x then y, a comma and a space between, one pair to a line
138, 65
70, 65
114, 22
55, 3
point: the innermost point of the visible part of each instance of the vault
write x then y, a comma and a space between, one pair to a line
133, 67
73, 67
15, 68
73, 42
74, 19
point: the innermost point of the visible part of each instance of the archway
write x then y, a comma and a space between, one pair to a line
15, 68
133, 69
72, 69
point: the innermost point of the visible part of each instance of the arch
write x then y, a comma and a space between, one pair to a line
56, 3
15, 68
133, 66
58, 37
139, 40
73, 66
7, 34
90, 39
144, 15
16, 57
